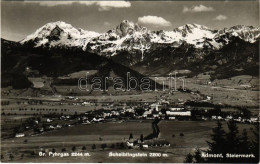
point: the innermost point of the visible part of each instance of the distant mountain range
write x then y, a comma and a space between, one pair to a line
58, 49
129, 36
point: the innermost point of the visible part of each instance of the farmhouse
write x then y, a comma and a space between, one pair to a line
179, 113
98, 119
146, 113
49, 120
171, 118
254, 119
19, 135
155, 106
176, 109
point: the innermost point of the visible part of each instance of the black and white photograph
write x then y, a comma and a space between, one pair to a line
136, 81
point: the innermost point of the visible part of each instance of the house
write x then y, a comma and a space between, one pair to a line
145, 146
41, 130
58, 126
171, 118
204, 118
162, 101
130, 110
219, 118
115, 113
253, 119
49, 120
176, 109
156, 115
98, 119
181, 113
155, 106
129, 144
19, 135
106, 114
228, 118
239, 119
85, 103
146, 113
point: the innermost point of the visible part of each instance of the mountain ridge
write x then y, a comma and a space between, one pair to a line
132, 37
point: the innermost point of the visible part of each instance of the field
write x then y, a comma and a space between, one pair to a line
195, 134
81, 135
236, 91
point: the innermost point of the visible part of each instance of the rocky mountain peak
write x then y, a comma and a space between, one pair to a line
128, 27
59, 34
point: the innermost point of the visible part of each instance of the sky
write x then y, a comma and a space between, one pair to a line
21, 18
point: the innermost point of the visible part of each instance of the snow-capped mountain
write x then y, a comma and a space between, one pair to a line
193, 34
246, 33
59, 34
131, 37
127, 36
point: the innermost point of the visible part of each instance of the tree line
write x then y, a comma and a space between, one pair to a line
231, 142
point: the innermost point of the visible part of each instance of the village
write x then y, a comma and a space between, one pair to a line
112, 112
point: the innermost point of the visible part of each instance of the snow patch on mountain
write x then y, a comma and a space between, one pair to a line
60, 34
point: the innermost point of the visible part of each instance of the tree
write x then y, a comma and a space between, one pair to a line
39, 119
33, 153
84, 148
53, 150
15, 130
11, 156
131, 136
63, 149
255, 143
103, 146
188, 159
73, 148
112, 146
93, 147
232, 137
245, 113
244, 143
217, 145
197, 156
139, 111
122, 145
142, 138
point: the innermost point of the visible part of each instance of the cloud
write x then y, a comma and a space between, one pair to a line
102, 5
107, 5
200, 8
220, 17
154, 21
